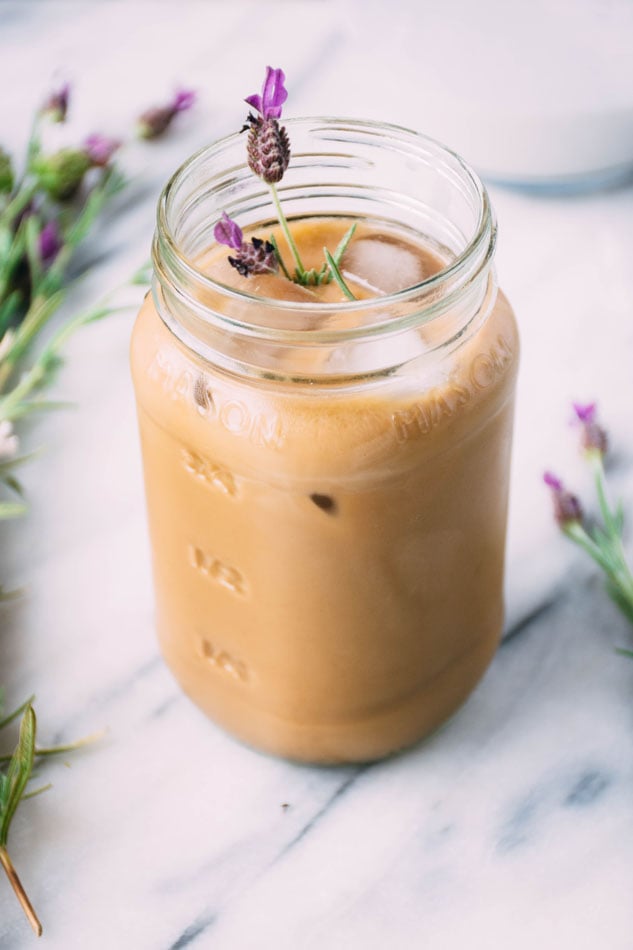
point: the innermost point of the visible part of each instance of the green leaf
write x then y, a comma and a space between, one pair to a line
338, 277
621, 599
39, 313
33, 226
6, 595
143, 275
12, 509
343, 244
8, 310
18, 773
7, 465
37, 791
12, 484
16, 712
48, 751
618, 517
41, 405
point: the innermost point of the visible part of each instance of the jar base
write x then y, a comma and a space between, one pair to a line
345, 743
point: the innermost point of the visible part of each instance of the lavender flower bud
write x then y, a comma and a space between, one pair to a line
6, 173
253, 257
256, 257
593, 437
268, 148
61, 174
56, 106
50, 243
155, 121
100, 149
567, 508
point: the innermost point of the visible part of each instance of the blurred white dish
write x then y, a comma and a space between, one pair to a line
536, 93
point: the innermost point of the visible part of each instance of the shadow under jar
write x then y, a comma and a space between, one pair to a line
327, 481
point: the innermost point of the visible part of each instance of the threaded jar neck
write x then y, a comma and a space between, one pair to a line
339, 167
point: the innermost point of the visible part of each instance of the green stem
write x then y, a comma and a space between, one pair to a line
19, 891
613, 562
620, 576
605, 509
284, 227
39, 312
575, 531
273, 241
19, 202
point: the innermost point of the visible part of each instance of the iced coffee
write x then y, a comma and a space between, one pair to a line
327, 498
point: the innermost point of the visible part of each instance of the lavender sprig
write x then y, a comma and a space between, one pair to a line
268, 147
13, 784
268, 154
154, 122
602, 540
46, 212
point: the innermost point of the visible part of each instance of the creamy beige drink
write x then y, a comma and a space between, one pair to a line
328, 545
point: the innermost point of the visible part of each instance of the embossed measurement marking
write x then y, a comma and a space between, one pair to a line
223, 661
208, 472
216, 570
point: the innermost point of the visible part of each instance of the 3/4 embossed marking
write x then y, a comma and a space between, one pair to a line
208, 472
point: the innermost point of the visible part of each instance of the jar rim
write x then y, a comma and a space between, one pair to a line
168, 256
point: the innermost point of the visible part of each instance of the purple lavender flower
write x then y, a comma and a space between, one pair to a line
253, 257
273, 96
228, 232
56, 106
593, 437
49, 243
153, 122
100, 149
567, 508
585, 413
268, 147
183, 100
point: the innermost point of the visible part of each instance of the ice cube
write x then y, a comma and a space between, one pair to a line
383, 264
377, 354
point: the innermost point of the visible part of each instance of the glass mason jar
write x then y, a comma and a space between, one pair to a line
327, 483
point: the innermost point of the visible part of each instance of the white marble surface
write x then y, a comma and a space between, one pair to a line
513, 826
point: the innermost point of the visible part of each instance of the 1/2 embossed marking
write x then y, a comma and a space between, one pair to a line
216, 570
